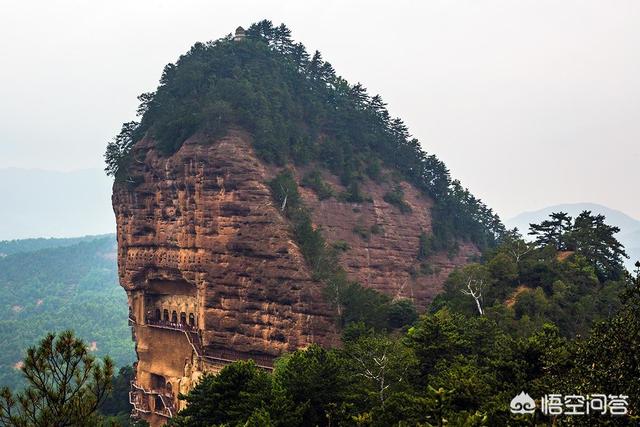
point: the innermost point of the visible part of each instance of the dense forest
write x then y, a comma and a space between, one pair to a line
57, 284
558, 315
10, 247
298, 110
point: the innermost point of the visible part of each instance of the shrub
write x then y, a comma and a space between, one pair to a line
341, 245
396, 198
314, 181
362, 231
376, 229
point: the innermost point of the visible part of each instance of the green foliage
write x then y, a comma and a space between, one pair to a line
364, 305
605, 360
259, 418
314, 381
117, 402
376, 229
589, 236
396, 198
455, 367
306, 388
314, 181
71, 286
65, 385
424, 247
341, 245
592, 238
552, 231
284, 190
473, 368
119, 151
449, 369
445, 335
232, 396
526, 286
381, 365
297, 110
362, 231
401, 313
320, 258
10, 247
373, 170
353, 194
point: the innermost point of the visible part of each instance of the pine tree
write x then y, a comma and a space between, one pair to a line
65, 385
592, 238
552, 231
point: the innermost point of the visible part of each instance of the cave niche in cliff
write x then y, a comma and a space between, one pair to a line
172, 303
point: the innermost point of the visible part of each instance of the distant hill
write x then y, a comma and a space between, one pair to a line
10, 247
629, 234
58, 204
69, 286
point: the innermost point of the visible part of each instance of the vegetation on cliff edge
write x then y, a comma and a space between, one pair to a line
298, 110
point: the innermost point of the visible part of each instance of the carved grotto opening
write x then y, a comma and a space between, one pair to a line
171, 304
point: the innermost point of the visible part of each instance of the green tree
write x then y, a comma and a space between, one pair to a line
118, 153
592, 238
607, 360
384, 365
314, 380
401, 313
424, 246
232, 396
552, 231
513, 245
65, 385
117, 402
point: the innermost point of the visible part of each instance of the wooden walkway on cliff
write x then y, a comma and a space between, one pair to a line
225, 357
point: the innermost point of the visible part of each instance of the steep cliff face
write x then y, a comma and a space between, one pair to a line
213, 274
383, 241
203, 219
210, 270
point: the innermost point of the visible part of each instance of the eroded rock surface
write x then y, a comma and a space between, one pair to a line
383, 241
212, 272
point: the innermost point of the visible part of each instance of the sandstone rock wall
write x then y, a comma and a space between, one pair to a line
213, 275
383, 241
204, 217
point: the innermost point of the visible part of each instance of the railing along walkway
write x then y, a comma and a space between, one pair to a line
166, 411
193, 336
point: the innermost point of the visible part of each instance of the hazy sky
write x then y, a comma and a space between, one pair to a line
529, 103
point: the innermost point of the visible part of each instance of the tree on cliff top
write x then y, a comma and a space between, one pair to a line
298, 110
65, 385
588, 235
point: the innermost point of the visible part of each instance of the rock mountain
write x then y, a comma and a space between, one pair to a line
214, 268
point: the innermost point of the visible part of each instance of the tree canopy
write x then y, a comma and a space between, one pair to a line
298, 110
66, 385
587, 235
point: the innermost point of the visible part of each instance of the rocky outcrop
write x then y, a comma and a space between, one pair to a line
204, 219
383, 241
213, 275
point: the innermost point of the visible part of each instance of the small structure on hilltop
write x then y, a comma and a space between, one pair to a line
240, 34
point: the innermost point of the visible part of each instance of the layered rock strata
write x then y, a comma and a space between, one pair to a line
212, 272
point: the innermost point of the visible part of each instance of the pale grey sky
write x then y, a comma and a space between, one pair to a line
529, 103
